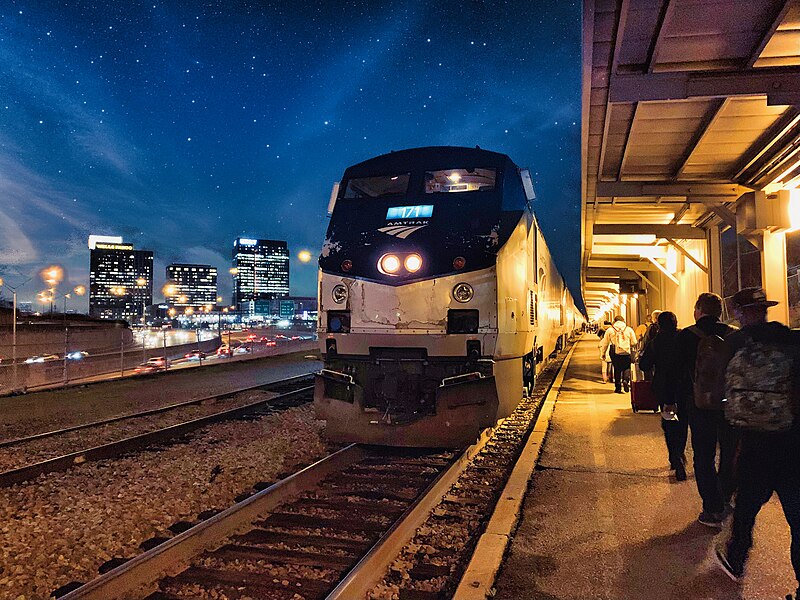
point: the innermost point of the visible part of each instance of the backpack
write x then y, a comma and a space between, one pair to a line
622, 345
758, 385
709, 370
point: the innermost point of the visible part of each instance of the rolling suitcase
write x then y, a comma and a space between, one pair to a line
642, 395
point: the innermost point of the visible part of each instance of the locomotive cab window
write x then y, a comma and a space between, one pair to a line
382, 186
459, 180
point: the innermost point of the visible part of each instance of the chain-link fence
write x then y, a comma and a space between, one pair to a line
64, 356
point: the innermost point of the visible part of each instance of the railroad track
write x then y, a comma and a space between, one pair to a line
299, 538
335, 529
291, 392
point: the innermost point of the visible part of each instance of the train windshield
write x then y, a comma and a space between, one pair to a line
382, 186
459, 180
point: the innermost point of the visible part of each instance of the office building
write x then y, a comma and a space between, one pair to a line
191, 285
120, 279
260, 270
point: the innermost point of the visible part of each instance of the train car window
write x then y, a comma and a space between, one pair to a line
382, 186
459, 180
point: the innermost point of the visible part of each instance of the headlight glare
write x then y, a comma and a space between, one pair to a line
339, 293
463, 292
389, 264
413, 263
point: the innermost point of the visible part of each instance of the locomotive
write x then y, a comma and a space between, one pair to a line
438, 299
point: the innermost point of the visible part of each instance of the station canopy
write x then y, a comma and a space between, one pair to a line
687, 105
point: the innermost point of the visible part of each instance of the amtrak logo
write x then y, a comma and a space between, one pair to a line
401, 231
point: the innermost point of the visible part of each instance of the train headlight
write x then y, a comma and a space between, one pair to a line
463, 292
389, 264
339, 293
413, 263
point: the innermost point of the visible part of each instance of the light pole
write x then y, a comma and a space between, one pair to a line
14, 289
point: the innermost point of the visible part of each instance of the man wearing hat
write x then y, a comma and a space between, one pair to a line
768, 460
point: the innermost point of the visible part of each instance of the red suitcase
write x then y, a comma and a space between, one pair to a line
643, 397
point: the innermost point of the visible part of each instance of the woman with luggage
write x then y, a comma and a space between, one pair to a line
661, 355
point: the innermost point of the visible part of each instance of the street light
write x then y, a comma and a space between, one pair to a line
169, 289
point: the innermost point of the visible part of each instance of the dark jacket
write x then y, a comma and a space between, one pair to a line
686, 345
769, 332
661, 354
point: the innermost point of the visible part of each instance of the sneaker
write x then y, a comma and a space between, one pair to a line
735, 572
710, 519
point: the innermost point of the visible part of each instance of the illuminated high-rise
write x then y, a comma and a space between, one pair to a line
120, 279
260, 270
191, 285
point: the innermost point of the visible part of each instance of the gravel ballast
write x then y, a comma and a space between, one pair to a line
26, 453
60, 528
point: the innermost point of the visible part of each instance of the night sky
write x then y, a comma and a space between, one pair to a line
182, 125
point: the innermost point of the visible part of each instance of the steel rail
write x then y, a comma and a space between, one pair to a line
145, 413
139, 576
137, 442
369, 571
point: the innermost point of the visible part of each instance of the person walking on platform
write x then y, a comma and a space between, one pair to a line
606, 369
762, 402
704, 355
651, 331
641, 328
619, 340
662, 357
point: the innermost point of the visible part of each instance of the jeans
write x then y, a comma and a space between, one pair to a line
622, 363
767, 463
675, 435
709, 430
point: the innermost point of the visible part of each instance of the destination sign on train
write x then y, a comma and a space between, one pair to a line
410, 212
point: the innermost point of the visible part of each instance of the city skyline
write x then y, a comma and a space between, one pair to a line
183, 126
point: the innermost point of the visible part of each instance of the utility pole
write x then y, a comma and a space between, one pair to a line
14, 344
66, 351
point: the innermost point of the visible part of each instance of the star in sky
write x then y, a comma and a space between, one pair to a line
182, 125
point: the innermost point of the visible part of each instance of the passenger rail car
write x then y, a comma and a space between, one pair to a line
438, 298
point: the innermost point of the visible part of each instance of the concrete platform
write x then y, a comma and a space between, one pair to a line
603, 519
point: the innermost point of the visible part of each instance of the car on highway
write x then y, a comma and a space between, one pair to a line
77, 355
296, 337
195, 355
156, 363
242, 350
270, 343
42, 359
252, 337
280, 336
224, 351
